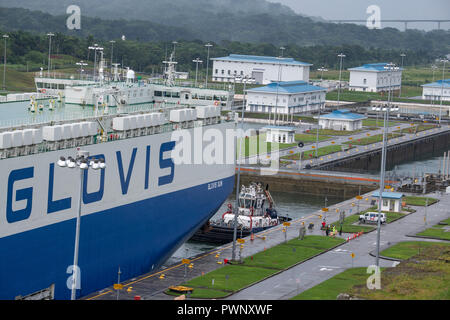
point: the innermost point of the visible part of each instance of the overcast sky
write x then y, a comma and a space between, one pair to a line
390, 9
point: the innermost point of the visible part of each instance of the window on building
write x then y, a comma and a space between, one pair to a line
216, 71
365, 81
223, 71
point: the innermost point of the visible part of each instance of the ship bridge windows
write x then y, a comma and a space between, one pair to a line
175, 94
158, 93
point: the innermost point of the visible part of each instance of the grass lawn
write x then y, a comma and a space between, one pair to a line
257, 145
377, 123
408, 249
340, 283
310, 137
426, 276
310, 154
418, 128
419, 201
436, 232
372, 139
332, 132
349, 227
231, 278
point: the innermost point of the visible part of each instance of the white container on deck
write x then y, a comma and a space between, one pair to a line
93, 128
37, 136
132, 121
67, 131
52, 133
5, 140
76, 130
84, 129
27, 137
121, 123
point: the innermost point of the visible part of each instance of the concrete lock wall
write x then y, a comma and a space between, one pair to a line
409, 151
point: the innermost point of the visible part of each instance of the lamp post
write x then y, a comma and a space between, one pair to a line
81, 161
174, 45
112, 56
5, 36
442, 88
50, 35
390, 67
245, 79
341, 56
208, 45
403, 55
322, 69
95, 48
197, 61
81, 64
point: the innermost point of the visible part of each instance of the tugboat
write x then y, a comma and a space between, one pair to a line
256, 213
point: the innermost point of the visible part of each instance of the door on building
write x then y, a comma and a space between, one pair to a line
258, 76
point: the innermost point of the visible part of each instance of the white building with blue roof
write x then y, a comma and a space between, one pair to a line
342, 120
289, 97
434, 90
261, 68
373, 77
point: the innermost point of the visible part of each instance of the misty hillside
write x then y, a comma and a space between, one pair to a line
173, 12
251, 21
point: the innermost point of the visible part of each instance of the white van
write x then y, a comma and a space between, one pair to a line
369, 217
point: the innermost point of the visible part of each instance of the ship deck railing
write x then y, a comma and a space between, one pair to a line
110, 135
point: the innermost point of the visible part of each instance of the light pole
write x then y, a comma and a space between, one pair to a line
390, 67
442, 88
208, 45
197, 61
322, 69
403, 55
278, 86
81, 161
50, 35
341, 56
112, 56
95, 48
5, 36
174, 45
245, 79
81, 64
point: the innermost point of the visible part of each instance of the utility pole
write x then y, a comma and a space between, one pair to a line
112, 56
197, 61
403, 55
442, 88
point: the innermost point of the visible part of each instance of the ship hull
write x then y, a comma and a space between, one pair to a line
134, 214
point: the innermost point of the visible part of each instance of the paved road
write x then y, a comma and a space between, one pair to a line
306, 275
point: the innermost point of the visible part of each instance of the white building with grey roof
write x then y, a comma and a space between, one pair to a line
262, 69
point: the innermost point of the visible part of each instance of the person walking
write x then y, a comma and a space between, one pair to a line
327, 231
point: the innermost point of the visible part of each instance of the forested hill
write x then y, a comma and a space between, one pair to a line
277, 26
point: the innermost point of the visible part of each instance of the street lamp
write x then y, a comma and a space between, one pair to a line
208, 45
50, 35
322, 69
95, 48
81, 64
197, 61
341, 56
174, 45
5, 36
245, 79
403, 55
83, 163
442, 88
389, 67
433, 68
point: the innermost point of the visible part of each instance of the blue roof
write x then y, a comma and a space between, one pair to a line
438, 84
288, 87
343, 114
262, 59
371, 67
388, 195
